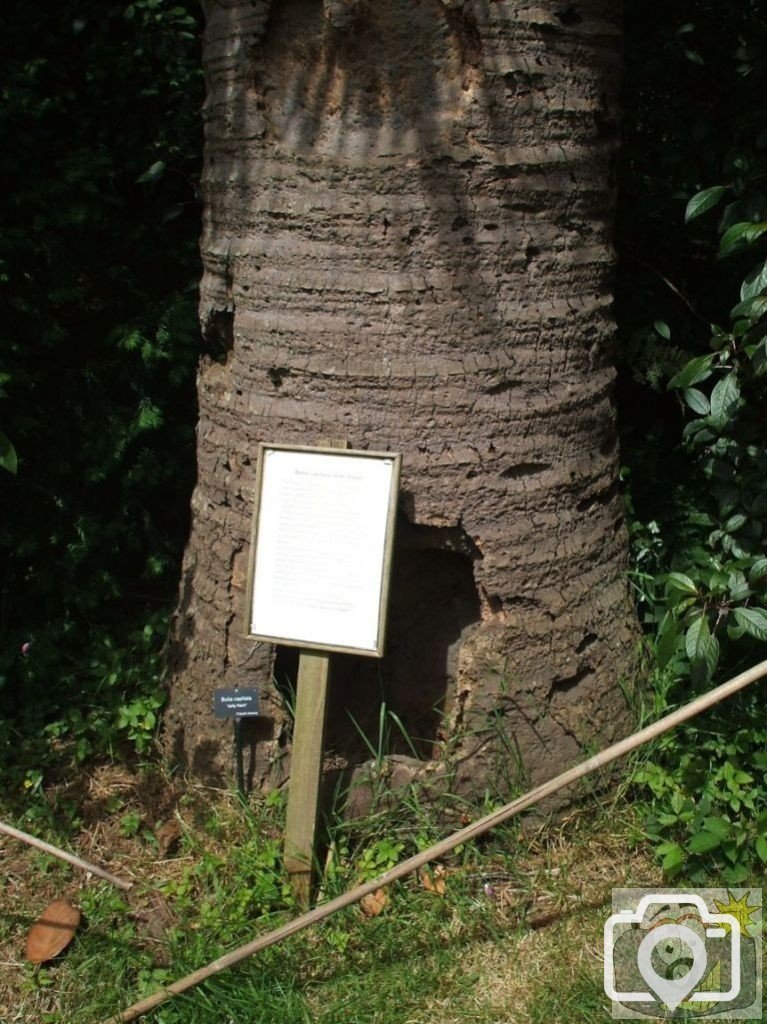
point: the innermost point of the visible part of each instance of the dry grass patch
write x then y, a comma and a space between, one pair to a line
555, 908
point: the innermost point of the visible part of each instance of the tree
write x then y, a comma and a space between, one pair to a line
407, 243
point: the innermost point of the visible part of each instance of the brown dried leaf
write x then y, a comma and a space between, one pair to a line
53, 932
434, 880
372, 904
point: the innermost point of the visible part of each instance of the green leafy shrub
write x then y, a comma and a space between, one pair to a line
721, 597
698, 452
707, 812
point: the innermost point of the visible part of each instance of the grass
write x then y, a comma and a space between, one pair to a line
507, 931
515, 936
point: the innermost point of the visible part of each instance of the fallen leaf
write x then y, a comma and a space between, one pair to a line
52, 932
434, 880
372, 904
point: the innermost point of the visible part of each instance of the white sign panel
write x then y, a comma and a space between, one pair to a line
321, 547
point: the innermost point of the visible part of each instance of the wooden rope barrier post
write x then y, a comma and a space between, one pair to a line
470, 832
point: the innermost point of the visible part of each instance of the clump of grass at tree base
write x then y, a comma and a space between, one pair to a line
425, 808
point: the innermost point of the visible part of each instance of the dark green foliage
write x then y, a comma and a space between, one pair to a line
694, 332
99, 341
8, 457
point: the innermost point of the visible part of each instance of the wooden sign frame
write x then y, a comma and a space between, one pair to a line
353, 484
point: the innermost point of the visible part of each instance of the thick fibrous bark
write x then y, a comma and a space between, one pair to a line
407, 245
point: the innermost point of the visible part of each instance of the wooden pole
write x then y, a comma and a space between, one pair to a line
306, 771
39, 844
444, 847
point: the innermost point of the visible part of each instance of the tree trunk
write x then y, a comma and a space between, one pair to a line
407, 246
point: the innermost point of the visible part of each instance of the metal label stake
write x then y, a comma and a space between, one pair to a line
237, 704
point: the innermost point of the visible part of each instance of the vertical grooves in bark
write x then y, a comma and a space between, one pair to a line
410, 224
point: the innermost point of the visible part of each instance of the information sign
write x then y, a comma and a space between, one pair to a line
321, 547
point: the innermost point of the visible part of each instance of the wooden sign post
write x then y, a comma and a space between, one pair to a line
306, 771
320, 564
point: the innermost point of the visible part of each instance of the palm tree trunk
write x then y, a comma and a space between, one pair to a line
407, 244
